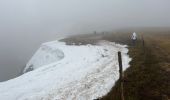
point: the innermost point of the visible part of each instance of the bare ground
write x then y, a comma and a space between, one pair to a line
148, 77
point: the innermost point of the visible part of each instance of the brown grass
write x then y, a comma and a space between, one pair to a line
148, 77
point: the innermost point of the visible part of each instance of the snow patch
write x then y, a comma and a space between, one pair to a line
44, 56
84, 72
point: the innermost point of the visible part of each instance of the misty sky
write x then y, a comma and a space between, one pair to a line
67, 16
25, 24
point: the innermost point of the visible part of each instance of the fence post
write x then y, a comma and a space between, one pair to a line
143, 43
121, 75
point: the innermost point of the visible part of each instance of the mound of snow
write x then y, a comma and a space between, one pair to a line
44, 56
82, 72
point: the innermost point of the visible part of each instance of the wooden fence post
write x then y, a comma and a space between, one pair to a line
143, 43
121, 75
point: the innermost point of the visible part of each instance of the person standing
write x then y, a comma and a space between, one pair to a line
134, 38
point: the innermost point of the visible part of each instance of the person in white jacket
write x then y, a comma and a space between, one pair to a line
134, 38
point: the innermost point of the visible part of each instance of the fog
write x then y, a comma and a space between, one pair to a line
25, 24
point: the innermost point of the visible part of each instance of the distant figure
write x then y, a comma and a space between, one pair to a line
134, 38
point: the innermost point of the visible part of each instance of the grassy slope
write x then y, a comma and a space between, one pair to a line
147, 78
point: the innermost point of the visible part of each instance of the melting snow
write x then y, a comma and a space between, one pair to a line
67, 72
